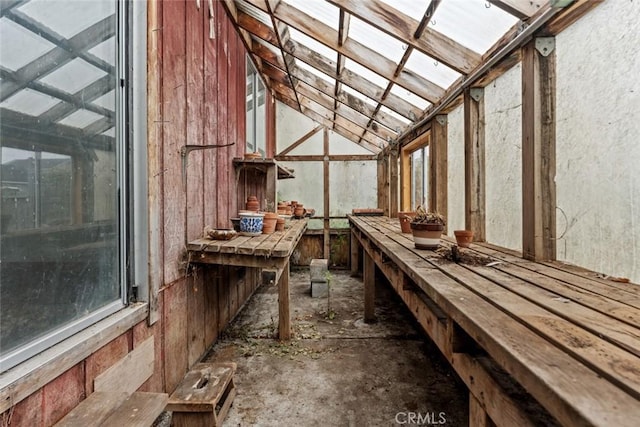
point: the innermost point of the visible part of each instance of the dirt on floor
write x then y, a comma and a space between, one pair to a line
337, 370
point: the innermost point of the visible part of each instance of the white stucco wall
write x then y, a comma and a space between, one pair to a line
455, 170
598, 134
503, 159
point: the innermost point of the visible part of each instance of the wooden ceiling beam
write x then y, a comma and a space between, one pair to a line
357, 52
521, 9
88, 94
402, 27
348, 100
374, 147
326, 101
282, 35
327, 66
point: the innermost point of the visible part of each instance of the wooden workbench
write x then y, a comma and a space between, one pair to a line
568, 337
270, 252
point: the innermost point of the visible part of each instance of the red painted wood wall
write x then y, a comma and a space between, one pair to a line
196, 81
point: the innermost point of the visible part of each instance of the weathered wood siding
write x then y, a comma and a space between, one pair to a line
196, 96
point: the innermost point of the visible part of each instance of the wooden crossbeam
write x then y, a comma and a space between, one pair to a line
521, 9
402, 27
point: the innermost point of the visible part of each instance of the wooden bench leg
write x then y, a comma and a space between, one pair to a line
284, 315
355, 254
369, 288
477, 415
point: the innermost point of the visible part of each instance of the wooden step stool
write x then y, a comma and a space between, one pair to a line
204, 396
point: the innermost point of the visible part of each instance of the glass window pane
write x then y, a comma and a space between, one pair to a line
59, 174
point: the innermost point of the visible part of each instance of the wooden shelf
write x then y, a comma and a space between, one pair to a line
263, 165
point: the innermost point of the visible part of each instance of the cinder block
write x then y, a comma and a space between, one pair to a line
318, 270
319, 289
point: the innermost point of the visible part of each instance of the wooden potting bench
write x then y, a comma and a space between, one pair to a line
537, 343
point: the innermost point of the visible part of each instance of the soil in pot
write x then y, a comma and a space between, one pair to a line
426, 236
463, 237
405, 221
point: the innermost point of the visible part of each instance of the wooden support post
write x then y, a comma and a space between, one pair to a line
383, 183
477, 415
270, 187
369, 288
474, 171
393, 183
355, 254
539, 150
327, 206
438, 166
284, 315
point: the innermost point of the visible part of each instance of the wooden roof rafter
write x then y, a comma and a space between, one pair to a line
343, 31
327, 66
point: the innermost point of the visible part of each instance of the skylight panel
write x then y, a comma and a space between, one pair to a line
19, 46
394, 115
366, 73
30, 102
67, 18
329, 80
320, 10
73, 76
382, 43
80, 119
413, 8
410, 97
476, 24
431, 69
313, 44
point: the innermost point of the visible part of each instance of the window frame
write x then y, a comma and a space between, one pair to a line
132, 221
407, 199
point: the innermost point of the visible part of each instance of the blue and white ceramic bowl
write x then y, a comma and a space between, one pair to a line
251, 224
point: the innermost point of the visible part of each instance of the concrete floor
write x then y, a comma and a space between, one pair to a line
337, 370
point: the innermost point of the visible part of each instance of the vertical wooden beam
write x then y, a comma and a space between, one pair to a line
284, 315
355, 254
539, 149
383, 183
327, 222
474, 171
393, 183
154, 153
369, 288
438, 165
405, 180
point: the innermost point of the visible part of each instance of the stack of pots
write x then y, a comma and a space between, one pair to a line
299, 210
252, 204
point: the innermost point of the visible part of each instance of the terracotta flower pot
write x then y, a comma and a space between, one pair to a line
270, 220
426, 236
463, 237
405, 221
299, 211
280, 224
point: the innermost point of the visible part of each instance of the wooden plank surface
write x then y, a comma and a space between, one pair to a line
139, 409
522, 347
116, 409
130, 372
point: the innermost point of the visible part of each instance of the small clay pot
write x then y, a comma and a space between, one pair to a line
299, 211
405, 221
463, 237
269, 222
280, 224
